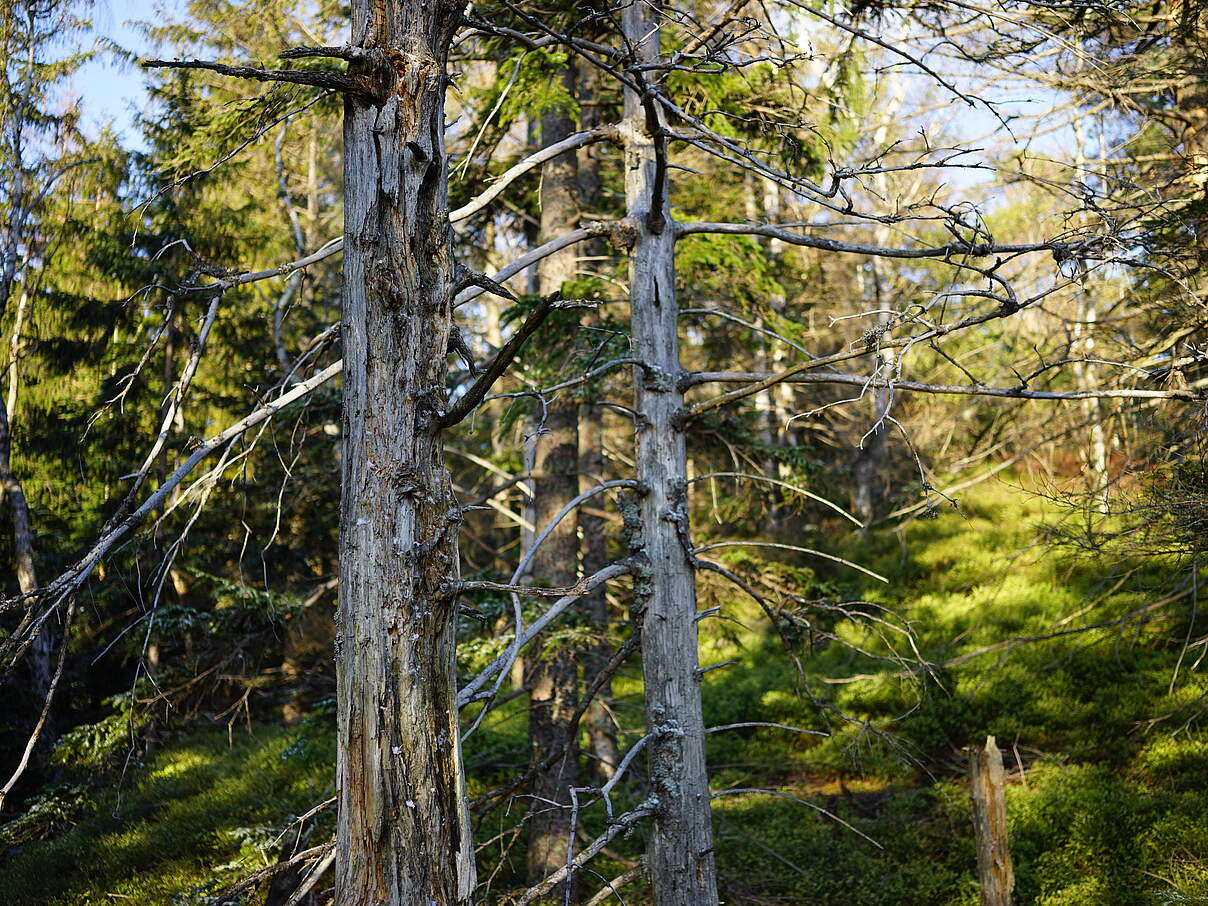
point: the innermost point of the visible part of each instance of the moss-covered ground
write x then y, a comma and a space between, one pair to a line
1101, 731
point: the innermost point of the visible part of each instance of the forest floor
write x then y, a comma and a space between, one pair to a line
1101, 730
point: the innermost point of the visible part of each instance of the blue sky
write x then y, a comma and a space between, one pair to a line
111, 90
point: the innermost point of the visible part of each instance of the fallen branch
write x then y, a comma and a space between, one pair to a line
613, 887
805, 802
228, 898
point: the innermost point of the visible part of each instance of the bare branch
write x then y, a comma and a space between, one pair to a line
468, 692
333, 247
764, 723
805, 802
312, 879
67, 583
782, 484
621, 825
589, 231
613, 887
349, 52
472, 397
329, 81
1184, 394
533, 161
255, 878
34, 736
1062, 248
791, 547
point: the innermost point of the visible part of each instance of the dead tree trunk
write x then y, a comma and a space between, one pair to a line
403, 835
13, 261
990, 825
38, 665
681, 847
13, 493
552, 677
868, 473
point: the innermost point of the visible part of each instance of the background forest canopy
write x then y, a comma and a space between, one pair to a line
597, 451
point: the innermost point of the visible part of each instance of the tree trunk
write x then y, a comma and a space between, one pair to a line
11, 489
305, 641
601, 735
403, 834
990, 825
1086, 372
681, 846
13, 492
871, 458
1192, 102
23, 549
552, 677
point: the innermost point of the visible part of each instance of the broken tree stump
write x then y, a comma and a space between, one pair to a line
986, 780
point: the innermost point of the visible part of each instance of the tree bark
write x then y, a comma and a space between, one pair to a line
403, 834
12, 258
990, 824
552, 677
601, 732
681, 846
868, 475
23, 549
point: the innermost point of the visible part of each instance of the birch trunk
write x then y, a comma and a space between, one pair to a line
23, 550
12, 492
403, 835
16, 233
681, 847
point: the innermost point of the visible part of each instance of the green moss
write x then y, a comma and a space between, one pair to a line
1108, 815
1111, 811
199, 810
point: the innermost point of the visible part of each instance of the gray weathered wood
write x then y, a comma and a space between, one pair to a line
681, 848
403, 835
994, 869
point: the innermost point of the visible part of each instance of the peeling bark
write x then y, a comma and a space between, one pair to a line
403, 836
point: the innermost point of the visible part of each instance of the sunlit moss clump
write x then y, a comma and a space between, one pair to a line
203, 812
